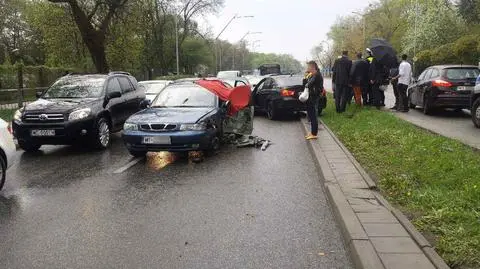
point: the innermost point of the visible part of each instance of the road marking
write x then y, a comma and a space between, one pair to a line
127, 166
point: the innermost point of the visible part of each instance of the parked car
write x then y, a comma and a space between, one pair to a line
7, 151
232, 74
185, 116
153, 87
78, 109
475, 109
443, 86
277, 95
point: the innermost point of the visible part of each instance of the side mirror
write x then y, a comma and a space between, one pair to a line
145, 104
38, 94
112, 95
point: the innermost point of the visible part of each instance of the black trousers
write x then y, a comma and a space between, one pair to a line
342, 95
312, 113
403, 98
395, 92
366, 94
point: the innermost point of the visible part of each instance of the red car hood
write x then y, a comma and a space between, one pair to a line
239, 97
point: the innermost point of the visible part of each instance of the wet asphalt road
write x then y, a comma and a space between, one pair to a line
243, 208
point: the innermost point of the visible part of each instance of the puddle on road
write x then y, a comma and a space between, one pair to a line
159, 160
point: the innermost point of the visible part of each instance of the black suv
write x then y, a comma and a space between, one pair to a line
78, 109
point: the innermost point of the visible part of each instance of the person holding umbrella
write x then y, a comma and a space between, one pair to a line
385, 58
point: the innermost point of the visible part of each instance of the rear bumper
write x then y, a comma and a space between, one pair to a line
449, 101
66, 133
294, 105
180, 140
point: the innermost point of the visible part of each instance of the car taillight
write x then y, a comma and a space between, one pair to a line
441, 83
287, 93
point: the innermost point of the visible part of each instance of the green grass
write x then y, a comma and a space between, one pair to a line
7, 114
433, 179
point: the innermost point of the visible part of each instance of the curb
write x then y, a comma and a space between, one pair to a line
361, 248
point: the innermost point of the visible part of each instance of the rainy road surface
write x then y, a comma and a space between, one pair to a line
244, 208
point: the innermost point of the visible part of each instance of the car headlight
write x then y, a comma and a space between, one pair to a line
193, 127
130, 126
18, 115
79, 114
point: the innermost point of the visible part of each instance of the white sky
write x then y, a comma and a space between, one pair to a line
291, 27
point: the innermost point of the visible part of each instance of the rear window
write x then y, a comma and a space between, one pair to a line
289, 81
462, 73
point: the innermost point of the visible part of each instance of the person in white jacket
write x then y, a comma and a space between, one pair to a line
404, 77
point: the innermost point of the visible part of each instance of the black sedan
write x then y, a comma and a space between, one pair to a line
278, 95
443, 86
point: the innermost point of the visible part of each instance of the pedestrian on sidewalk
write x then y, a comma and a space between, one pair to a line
314, 83
341, 79
359, 78
394, 82
404, 77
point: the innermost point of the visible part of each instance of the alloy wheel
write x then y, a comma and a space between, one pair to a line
104, 134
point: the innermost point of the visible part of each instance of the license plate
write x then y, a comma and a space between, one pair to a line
159, 140
464, 88
42, 132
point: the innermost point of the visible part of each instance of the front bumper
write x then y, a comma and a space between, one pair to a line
66, 133
180, 140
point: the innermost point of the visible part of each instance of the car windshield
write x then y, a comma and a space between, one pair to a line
289, 81
76, 87
185, 96
462, 73
154, 88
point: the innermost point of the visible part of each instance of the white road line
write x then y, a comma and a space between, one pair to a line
127, 166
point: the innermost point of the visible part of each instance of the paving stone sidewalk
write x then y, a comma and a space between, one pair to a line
376, 234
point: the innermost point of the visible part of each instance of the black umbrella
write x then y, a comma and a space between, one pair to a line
384, 53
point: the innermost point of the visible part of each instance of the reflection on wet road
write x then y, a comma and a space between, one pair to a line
243, 208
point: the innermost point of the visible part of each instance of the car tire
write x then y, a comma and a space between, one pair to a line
427, 110
410, 103
27, 146
137, 153
476, 112
272, 113
3, 171
101, 134
214, 146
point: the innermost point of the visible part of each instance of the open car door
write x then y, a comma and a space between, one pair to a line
239, 118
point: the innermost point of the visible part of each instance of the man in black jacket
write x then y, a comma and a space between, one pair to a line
341, 79
378, 77
359, 78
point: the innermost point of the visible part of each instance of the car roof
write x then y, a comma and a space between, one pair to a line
446, 66
154, 81
87, 75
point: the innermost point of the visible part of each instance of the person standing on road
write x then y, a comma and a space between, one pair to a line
313, 81
404, 77
359, 78
341, 79
394, 82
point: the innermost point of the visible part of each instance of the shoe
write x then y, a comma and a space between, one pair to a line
311, 137
308, 135
394, 108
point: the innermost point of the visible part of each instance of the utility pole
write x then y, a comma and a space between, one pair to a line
241, 40
236, 16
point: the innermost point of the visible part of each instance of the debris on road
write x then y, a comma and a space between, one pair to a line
244, 141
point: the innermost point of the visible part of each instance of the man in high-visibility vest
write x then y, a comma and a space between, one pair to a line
367, 94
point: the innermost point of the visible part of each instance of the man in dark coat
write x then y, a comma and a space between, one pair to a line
378, 77
341, 79
359, 78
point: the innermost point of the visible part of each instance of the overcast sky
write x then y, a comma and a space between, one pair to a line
288, 26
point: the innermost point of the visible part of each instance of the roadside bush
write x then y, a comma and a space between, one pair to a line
466, 49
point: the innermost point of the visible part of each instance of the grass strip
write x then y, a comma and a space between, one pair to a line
433, 179
7, 114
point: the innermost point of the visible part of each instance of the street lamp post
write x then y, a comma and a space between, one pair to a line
236, 16
234, 49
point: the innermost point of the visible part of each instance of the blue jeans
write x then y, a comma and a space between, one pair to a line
312, 113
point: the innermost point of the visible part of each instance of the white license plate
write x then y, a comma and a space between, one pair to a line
464, 88
158, 140
42, 132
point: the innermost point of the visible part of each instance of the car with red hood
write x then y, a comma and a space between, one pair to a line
188, 115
